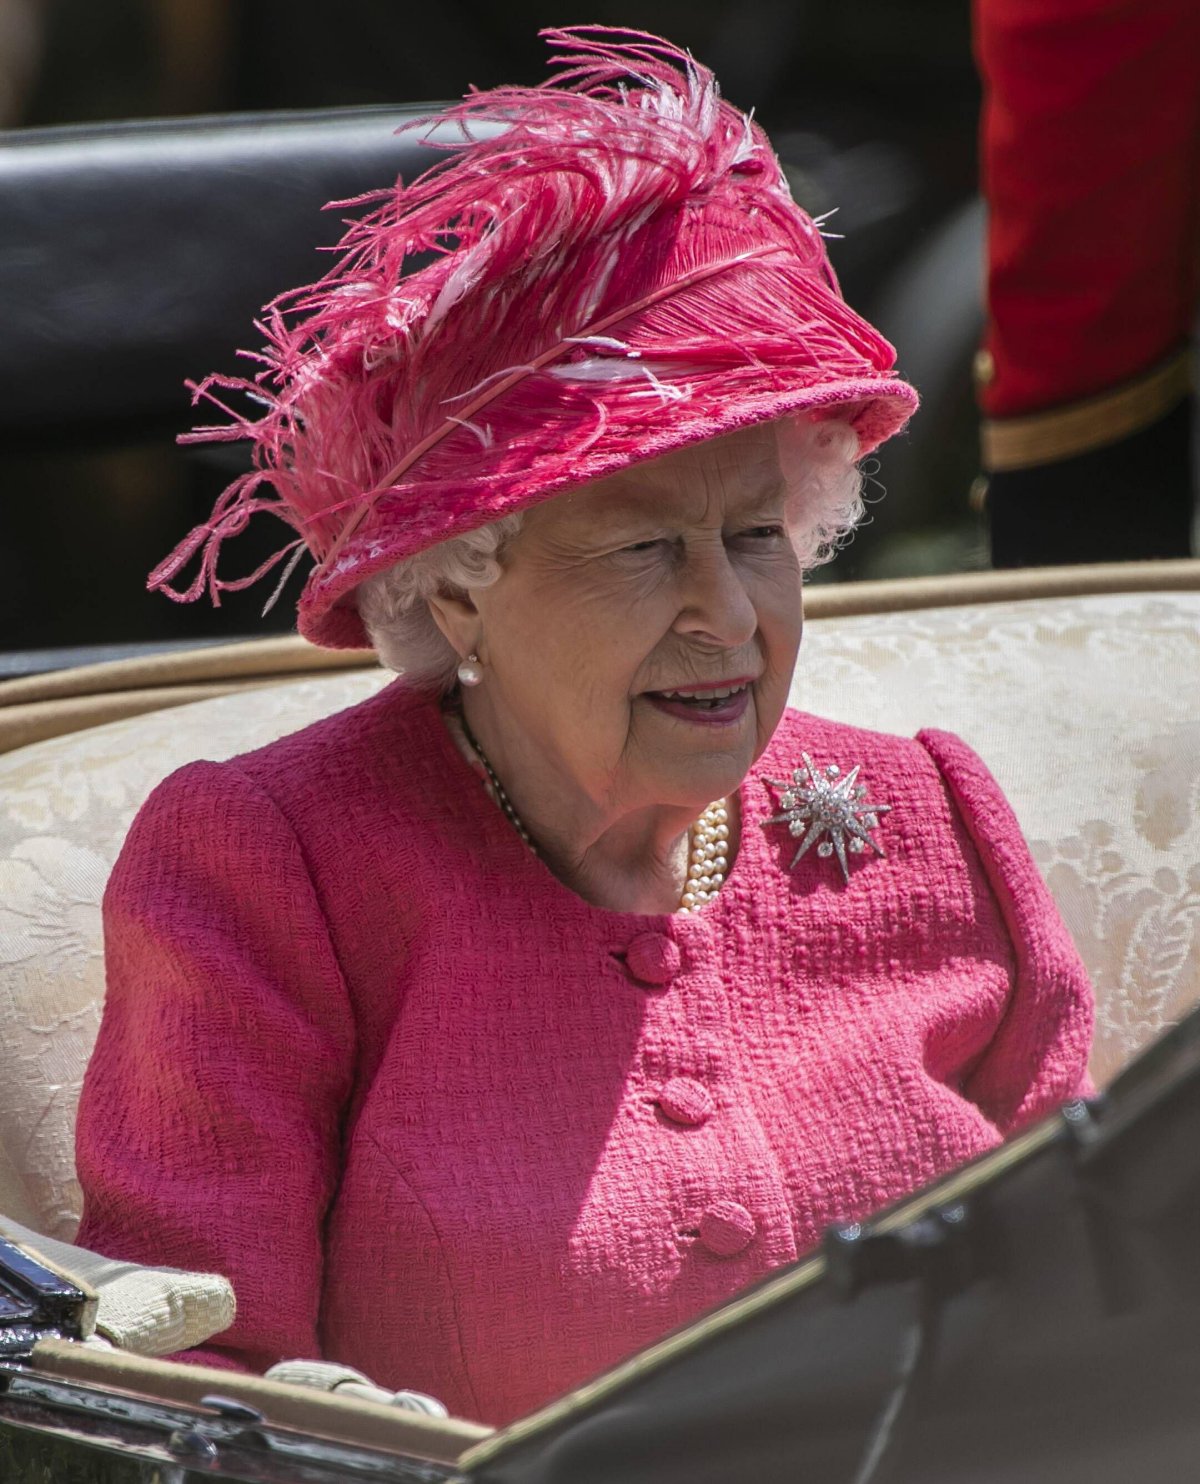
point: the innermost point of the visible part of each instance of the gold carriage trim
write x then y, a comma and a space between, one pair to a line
1046, 437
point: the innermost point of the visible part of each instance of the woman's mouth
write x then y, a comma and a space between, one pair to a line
707, 704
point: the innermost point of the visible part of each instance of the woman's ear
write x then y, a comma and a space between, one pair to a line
458, 619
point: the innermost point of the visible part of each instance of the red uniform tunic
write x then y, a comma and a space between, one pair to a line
1091, 166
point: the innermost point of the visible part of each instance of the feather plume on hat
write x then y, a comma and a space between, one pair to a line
610, 266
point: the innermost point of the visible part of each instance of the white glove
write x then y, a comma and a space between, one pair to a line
325, 1375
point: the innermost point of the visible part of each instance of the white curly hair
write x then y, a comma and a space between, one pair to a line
817, 459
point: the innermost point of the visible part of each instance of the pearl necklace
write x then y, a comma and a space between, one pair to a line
708, 839
709, 859
498, 788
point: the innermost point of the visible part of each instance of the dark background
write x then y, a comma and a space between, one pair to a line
872, 105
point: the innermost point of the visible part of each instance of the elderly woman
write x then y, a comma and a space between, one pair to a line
487, 1030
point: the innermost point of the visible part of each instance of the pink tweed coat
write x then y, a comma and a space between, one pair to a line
438, 1118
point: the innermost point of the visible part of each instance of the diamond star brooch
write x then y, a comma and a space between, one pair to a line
821, 801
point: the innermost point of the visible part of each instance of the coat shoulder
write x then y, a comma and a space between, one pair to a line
314, 772
800, 733
344, 737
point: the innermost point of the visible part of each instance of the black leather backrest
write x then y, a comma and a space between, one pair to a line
135, 255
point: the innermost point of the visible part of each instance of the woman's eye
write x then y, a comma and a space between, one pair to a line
762, 533
640, 546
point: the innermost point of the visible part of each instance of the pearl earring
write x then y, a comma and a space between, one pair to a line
470, 672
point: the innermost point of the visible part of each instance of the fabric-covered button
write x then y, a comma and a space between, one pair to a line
684, 1100
652, 958
726, 1228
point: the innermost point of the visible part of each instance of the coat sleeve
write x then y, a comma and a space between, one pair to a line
209, 1128
1038, 1057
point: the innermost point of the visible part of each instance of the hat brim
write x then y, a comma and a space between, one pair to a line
876, 407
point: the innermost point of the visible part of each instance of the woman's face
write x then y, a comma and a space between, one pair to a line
641, 639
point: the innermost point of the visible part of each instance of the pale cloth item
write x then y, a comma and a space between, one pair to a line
326, 1375
150, 1311
1086, 708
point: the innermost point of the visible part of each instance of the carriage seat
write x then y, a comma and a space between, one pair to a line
1086, 705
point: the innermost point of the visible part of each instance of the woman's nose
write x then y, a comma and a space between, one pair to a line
715, 604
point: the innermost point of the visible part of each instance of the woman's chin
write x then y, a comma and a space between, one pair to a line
706, 758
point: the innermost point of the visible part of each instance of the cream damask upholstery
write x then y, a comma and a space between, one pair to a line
65, 806
1087, 708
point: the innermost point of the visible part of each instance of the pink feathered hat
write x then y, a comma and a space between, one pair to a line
617, 269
